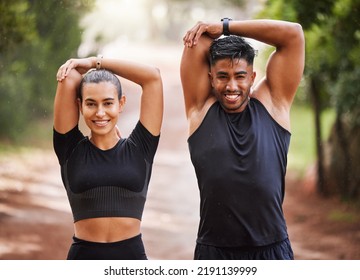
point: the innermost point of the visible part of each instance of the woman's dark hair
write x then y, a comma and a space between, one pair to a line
233, 47
98, 76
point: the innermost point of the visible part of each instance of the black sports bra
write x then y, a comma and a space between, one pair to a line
110, 183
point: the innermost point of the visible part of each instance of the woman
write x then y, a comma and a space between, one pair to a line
106, 177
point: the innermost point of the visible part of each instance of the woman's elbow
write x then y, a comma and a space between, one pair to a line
155, 75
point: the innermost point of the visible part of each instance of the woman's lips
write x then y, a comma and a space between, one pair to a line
101, 123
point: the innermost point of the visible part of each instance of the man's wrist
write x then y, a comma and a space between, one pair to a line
225, 22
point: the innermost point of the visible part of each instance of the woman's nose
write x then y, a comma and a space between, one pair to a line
100, 112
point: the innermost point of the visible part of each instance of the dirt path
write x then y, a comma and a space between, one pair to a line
36, 222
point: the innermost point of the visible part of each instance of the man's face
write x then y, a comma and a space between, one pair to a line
232, 80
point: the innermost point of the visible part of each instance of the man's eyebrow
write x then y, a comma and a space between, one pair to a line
243, 72
222, 73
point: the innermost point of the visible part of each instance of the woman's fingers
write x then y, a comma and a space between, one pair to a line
82, 65
64, 70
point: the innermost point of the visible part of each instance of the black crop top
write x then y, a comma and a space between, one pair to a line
106, 183
240, 162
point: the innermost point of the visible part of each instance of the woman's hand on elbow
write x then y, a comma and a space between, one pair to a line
82, 65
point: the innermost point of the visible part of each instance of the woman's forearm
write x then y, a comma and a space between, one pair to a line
138, 73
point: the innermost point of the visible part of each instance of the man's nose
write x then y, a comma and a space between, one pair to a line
232, 85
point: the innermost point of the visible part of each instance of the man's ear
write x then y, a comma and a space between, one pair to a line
211, 79
253, 77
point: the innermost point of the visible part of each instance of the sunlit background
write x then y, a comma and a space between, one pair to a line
124, 22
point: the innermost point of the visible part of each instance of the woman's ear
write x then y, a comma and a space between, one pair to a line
122, 102
80, 107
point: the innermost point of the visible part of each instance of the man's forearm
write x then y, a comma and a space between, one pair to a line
273, 32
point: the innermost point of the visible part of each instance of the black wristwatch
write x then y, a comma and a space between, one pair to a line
225, 22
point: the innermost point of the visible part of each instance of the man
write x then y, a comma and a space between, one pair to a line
239, 134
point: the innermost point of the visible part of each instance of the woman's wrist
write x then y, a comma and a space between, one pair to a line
92, 62
98, 63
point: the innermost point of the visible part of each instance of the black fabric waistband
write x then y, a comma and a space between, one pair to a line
128, 249
79, 241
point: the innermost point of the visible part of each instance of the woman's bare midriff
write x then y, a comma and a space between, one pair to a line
107, 229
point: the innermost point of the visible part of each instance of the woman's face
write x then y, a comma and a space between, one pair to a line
101, 107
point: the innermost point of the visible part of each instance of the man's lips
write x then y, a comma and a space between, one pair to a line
232, 97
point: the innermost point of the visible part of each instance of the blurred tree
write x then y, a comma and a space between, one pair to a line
17, 25
179, 12
36, 37
332, 30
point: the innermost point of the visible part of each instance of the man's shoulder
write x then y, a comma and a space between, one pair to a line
278, 109
197, 114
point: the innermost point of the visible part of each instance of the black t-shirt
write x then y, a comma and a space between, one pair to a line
106, 183
240, 162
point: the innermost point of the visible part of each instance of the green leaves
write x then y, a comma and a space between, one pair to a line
35, 38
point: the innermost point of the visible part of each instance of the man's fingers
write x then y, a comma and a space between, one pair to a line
192, 37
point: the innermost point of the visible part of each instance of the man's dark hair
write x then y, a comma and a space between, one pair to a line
98, 76
232, 47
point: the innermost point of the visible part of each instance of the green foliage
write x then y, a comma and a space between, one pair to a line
278, 9
17, 24
309, 12
46, 34
332, 70
302, 151
332, 31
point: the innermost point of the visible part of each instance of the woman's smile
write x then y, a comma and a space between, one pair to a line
101, 123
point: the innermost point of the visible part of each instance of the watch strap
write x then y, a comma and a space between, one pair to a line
225, 22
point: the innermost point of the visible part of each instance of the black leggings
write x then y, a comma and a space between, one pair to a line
129, 249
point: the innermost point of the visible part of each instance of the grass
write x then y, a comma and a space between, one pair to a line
302, 152
37, 135
40, 134
341, 216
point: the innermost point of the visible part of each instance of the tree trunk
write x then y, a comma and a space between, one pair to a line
342, 157
315, 93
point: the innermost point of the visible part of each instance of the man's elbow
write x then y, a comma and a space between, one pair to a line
297, 32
